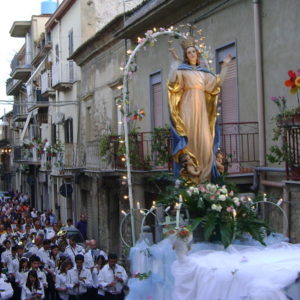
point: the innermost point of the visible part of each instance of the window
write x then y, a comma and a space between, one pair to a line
56, 53
229, 92
68, 126
230, 129
156, 99
53, 134
88, 123
71, 50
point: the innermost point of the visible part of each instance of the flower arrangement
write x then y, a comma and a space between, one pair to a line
142, 276
184, 233
222, 215
293, 82
280, 152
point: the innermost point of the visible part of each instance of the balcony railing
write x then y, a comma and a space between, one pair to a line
46, 83
20, 66
292, 140
152, 150
19, 112
35, 98
13, 86
239, 143
148, 151
63, 75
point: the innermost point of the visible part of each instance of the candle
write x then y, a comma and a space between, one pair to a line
177, 214
138, 205
265, 195
180, 199
279, 202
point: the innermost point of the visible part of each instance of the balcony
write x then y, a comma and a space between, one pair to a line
42, 48
19, 113
239, 143
26, 155
13, 87
63, 75
46, 84
35, 99
291, 138
21, 69
151, 151
20, 28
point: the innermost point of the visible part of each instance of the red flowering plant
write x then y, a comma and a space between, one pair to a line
294, 82
280, 152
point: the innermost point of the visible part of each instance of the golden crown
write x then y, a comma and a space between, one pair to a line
188, 42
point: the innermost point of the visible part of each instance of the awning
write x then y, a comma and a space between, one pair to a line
25, 127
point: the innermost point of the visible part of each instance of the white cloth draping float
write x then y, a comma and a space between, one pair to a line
244, 271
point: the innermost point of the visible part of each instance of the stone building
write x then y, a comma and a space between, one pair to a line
81, 77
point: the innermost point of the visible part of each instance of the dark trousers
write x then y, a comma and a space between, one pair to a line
78, 297
109, 296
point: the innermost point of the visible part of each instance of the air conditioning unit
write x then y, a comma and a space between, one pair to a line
58, 118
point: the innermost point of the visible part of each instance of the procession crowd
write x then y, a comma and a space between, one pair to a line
40, 261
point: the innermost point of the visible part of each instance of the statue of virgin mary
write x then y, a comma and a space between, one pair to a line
193, 100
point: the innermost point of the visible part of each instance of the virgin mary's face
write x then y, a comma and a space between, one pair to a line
192, 56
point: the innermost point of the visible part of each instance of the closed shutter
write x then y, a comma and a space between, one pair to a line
158, 105
230, 143
156, 100
229, 95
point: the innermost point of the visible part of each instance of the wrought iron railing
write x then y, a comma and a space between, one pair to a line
292, 139
239, 144
151, 151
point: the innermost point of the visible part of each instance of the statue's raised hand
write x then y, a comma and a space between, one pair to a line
227, 59
174, 54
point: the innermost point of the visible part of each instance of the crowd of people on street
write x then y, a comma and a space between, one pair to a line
40, 261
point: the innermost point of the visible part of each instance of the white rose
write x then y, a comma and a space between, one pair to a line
189, 192
236, 201
222, 197
196, 191
216, 207
223, 191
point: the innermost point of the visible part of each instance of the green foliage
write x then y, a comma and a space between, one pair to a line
221, 214
160, 145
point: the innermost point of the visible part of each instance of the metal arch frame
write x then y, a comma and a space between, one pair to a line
148, 38
145, 213
285, 217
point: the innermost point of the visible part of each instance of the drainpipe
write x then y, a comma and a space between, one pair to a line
259, 82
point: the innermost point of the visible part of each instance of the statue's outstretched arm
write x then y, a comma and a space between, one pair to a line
224, 69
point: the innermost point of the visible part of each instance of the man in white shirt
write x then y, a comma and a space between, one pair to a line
73, 249
6, 255
44, 252
112, 279
78, 280
6, 291
92, 254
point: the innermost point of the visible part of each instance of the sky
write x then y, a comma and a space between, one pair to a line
10, 11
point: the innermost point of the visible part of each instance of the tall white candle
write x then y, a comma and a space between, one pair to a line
177, 215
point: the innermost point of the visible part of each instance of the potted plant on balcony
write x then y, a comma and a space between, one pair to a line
286, 121
57, 148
